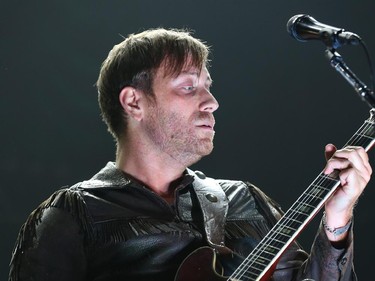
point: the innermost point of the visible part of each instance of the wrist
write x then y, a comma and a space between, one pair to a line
335, 231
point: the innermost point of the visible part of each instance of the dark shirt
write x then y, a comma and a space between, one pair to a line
112, 227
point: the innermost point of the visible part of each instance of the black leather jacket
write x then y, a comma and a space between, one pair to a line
111, 228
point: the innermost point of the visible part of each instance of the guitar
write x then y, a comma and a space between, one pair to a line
259, 264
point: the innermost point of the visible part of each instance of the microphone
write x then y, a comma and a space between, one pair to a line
304, 28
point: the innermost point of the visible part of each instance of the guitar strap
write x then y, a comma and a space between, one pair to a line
214, 207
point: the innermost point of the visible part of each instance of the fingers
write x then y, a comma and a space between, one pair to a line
351, 158
354, 171
330, 149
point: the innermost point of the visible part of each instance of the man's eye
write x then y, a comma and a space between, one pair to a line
189, 88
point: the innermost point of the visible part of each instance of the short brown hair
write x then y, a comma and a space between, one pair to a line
134, 61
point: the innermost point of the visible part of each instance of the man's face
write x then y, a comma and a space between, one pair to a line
180, 122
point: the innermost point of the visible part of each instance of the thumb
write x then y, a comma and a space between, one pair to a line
330, 149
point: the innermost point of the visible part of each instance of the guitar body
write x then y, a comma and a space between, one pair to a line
201, 265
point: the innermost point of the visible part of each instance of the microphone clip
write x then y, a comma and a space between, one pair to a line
337, 62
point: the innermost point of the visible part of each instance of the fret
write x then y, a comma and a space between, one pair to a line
316, 192
289, 221
305, 208
284, 230
270, 249
261, 261
293, 220
301, 213
306, 205
257, 267
364, 137
252, 275
282, 237
287, 229
274, 240
324, 181
311, 200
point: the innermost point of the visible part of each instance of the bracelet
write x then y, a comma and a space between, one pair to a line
335, 231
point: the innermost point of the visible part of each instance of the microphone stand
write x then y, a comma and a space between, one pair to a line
362, 90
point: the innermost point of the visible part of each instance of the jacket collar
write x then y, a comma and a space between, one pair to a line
107, 177
112, 177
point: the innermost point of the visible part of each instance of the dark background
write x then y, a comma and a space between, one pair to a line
280, 100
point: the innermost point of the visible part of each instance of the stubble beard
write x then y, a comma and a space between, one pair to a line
173, 135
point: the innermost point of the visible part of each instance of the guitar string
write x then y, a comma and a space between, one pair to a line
295, 217
310, 198
358, 136
322, 180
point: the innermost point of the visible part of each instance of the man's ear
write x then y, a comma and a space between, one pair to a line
129, 98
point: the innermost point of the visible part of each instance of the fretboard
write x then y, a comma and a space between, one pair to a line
269, 249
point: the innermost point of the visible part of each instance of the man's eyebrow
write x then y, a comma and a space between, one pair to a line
196, 73
188, 72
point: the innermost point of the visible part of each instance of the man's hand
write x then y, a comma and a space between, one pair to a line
354, 173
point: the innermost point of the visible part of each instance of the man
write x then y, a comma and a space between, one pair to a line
141, 216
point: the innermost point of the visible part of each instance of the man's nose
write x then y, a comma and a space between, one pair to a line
210, 104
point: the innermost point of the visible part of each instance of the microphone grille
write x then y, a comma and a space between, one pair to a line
292, 25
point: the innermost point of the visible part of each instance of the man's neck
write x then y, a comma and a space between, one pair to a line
156, 170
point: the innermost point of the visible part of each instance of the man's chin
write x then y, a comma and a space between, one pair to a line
200, 153
206, 149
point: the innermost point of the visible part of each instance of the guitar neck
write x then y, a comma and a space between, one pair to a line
266, 253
